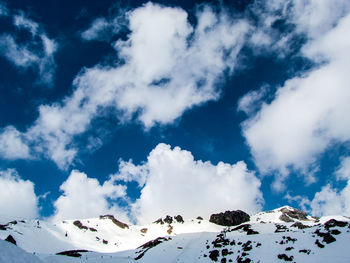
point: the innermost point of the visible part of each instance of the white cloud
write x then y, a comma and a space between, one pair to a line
18, 55
173, 182
330, 200
309, 112
37, 52
169, 68
84, 197
17, 197
22, 21
252, 100
12, 145
100, 29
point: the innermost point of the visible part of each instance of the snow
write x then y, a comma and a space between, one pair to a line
10, 253
190, 241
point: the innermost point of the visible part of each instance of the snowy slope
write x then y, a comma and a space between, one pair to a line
9, 253
280, 235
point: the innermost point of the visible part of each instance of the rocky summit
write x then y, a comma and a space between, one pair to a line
285, 234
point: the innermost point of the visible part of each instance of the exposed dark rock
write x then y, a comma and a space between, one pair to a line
2, 227
79, 225
199, 218
105, 242
294, 213
229, 218
335, 232
159, 221
285, 257
327, 237
92, 229
223, 260
318, 243
72, 253
226, 252
245, 228
168, 220
214, 254
334, 223
247, 246
280, 228
220, 241
11, 240
306, 251
300, 225
286, 218
243, 260
179, 219
115, 221
289, 248
150, 244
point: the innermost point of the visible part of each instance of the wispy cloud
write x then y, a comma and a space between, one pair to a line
37, 52
168, 67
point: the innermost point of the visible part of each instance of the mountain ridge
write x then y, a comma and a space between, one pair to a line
279, 235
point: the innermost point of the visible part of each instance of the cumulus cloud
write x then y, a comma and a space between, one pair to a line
12, 145
17, 197
84, 197
309, 112
168, 67
173, 182
330, 200
37, 52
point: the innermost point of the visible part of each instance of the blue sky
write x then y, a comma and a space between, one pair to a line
149, 108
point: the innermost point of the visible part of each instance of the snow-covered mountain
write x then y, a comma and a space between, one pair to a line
283, 234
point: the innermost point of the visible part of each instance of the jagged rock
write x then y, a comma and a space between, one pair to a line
292, 213
286, 218
285, 257
327, 237
300, 225
168, 220
79, 225
159, 221
179, 219
150, 244
115, 221
229, 218
11, 240
245, 228
214, 254
334, 223
72, 253
2, 227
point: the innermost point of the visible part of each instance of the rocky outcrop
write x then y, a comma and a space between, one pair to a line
229, 218
72, 253
115, 221
289, 214
179, 219
11, 240
168, 220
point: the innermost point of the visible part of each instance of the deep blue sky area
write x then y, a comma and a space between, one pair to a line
211, 130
